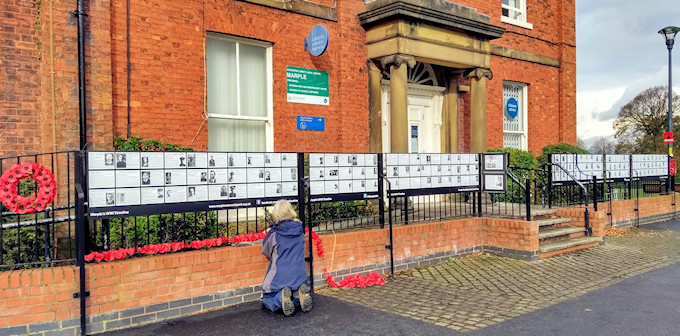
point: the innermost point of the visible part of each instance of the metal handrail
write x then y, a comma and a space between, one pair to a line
524, 187
536, 179
589, 230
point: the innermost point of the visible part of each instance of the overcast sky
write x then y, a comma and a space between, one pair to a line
620, 54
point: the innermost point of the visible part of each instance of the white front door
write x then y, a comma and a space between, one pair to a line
424, 118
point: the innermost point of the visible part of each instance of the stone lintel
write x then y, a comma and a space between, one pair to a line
300, 7
525, 56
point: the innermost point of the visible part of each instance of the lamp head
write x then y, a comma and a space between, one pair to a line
669, 34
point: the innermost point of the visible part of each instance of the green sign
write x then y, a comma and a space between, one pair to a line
307, 86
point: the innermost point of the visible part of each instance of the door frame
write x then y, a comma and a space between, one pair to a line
434, 95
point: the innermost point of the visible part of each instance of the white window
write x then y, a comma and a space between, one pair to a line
515, 12
514, 115
239, 83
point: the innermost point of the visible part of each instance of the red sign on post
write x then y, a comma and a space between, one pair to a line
668, 137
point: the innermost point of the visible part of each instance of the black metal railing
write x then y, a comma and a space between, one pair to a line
584, 195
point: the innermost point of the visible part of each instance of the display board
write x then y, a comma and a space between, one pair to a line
650, 165
617, 166
420, 173
141, 183
343, 176
493, 172
581, 166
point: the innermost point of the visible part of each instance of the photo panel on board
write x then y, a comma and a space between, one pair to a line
152, 195
151, 160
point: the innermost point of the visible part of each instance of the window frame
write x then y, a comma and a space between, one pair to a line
522, 9
524, 135
269, 119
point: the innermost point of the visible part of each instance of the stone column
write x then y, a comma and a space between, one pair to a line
398, 100
478, 108
450, 115
374, 108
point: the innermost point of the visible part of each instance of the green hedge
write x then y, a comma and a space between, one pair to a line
518, 159
137, 144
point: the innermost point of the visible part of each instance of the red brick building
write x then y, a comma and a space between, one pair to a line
212, 74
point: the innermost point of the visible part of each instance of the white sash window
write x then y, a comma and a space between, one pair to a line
514, 115
515, 12
239, 84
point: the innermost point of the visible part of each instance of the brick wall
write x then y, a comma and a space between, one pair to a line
19, 78
168, 82
141, 290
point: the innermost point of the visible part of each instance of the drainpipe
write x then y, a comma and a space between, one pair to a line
80, 14
52, 89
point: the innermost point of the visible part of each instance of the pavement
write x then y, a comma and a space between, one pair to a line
629, 286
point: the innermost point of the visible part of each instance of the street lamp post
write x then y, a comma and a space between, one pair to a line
669, 34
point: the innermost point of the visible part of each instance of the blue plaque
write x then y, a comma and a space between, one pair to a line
511, 108
317, 41
311, 123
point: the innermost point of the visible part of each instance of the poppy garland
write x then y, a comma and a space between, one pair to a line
9, 188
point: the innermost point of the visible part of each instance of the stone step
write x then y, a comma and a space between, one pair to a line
552, 221
567, 243
542, 212
559, 231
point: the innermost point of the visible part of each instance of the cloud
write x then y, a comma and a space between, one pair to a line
619, 55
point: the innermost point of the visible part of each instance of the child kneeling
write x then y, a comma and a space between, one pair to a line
285, 284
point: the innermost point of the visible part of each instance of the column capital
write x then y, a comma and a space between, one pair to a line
478, 73
398, 60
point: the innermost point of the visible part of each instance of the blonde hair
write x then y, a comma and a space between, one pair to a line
283, 210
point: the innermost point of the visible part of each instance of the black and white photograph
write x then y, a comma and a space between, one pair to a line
211, 161
120, 199
267, 176
204, 176
272, 160
260, 173
160, 193
273, 175
288, 160
146, 177
110, 199
213, 177
232, 191
354, 160
191, 160
182, 163
145, 162
121, 160
289, 189
239, 175
359, 186
333, 172
223, 191
237, 160
108, 160
216, 193
372, 186
267, 159
293, 174
168, 178
191, 193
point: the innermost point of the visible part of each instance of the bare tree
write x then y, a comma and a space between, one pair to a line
640, 125
581, 143
602, 146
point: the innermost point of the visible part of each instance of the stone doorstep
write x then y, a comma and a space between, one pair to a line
559, 231
552, 221
567, 243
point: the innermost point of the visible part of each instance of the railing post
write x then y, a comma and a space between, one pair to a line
305, 213
81, 237
381, 192
527, 195
594, 193
548, 169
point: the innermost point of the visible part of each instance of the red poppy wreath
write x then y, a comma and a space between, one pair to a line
9, 188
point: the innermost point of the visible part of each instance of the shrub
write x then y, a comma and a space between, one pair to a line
137, 144
522, 163
561, 148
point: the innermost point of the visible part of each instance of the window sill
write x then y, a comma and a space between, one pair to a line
518, 23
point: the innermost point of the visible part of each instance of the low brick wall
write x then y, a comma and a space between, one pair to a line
141, 290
